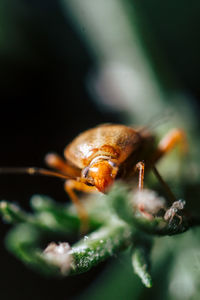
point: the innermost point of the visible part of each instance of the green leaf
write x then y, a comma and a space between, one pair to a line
141, 261
101, 244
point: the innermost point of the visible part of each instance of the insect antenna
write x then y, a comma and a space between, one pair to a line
157, 120
35, 171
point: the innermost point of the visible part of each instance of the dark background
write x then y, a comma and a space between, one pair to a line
45, 104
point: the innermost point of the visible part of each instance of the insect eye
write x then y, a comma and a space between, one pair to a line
85, 172
112, 164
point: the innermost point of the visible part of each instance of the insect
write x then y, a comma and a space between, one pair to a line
99, 156
173, 211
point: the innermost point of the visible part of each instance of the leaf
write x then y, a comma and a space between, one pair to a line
141, 261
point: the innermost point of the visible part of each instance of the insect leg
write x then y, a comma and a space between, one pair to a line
140, 168
142, 210
165, 185
180, 219
56, 162
174, 137
141, 207
70, 186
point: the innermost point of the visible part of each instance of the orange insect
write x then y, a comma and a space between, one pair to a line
98, 156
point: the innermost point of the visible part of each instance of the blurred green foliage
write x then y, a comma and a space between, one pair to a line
35, 32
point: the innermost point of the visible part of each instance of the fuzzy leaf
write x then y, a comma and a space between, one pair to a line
141, 261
